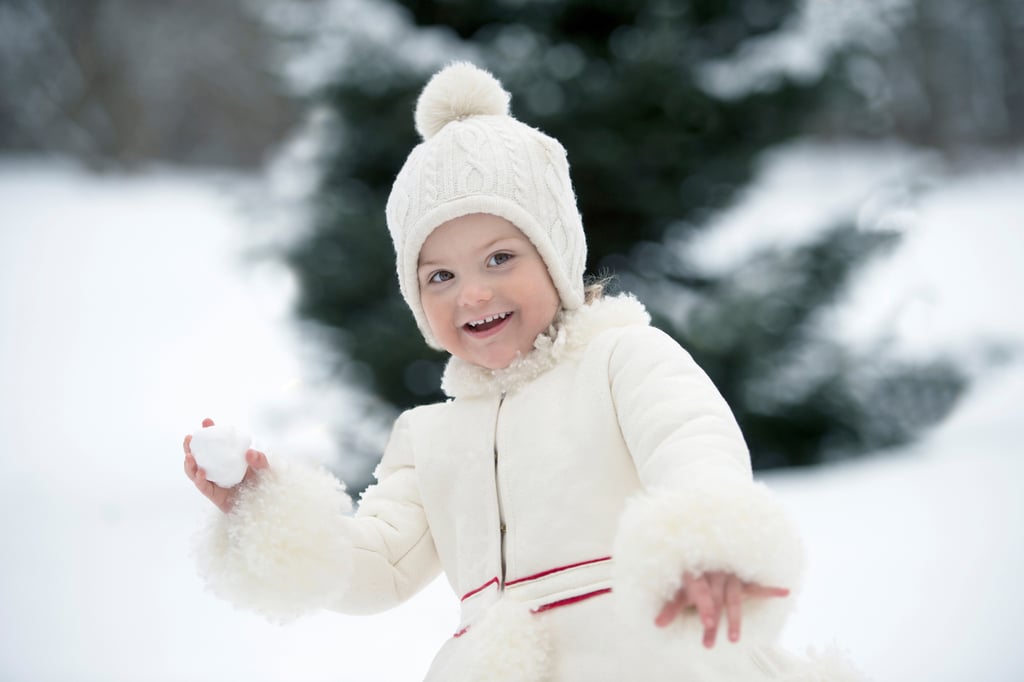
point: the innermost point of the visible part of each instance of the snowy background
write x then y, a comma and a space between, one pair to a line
132, 306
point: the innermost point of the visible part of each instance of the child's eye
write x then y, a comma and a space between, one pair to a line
499, 258
439, 276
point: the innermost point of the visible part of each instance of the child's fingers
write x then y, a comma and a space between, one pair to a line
207, 488
761, 591
256, 459
207, 422
188, 441
190, 466
699, 593
716, 582
222, 498
733, 606
671, 609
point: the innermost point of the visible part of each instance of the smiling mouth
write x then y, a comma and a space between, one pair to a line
487, 324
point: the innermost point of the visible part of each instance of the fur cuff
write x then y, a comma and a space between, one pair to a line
282, 550
706, 525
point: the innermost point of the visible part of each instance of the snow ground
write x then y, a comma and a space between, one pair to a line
128, 312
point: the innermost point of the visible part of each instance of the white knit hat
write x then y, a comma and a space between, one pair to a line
476, 158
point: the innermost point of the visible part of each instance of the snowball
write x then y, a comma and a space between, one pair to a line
220, 451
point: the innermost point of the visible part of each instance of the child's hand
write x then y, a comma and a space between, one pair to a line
709, 593
224, 498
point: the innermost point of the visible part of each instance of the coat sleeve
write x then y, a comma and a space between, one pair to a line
290, 544
700, 510
393, 550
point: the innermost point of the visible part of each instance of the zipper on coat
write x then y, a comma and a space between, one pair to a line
502, 529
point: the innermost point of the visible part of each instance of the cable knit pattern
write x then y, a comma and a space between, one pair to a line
476, 158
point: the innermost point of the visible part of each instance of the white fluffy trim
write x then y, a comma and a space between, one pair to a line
510, 644
570, 333
712, 524
281, 551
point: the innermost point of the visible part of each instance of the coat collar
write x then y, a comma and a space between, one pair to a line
571, 331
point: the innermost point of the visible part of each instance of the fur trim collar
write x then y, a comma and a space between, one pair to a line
571, 331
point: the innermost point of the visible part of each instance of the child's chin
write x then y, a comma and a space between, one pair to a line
495, 361
496, 365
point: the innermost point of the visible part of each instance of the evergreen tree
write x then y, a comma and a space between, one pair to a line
651, 153
800, 396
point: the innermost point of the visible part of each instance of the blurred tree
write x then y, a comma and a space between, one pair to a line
800, 395
120, 82
652, 154
940, 73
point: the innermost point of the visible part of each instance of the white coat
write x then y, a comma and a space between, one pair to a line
563, 497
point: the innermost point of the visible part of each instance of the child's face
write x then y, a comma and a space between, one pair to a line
477, 267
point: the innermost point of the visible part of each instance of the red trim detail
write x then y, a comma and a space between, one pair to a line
570, 600
509, 583
492, 581
553, 605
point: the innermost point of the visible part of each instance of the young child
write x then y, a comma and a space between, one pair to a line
586, 490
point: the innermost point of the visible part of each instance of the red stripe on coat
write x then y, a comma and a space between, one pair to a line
492, 581
558, 569
571, 600
553, 605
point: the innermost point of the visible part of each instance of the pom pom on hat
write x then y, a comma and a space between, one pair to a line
457, 92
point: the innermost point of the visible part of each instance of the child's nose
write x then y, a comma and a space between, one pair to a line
474, 292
